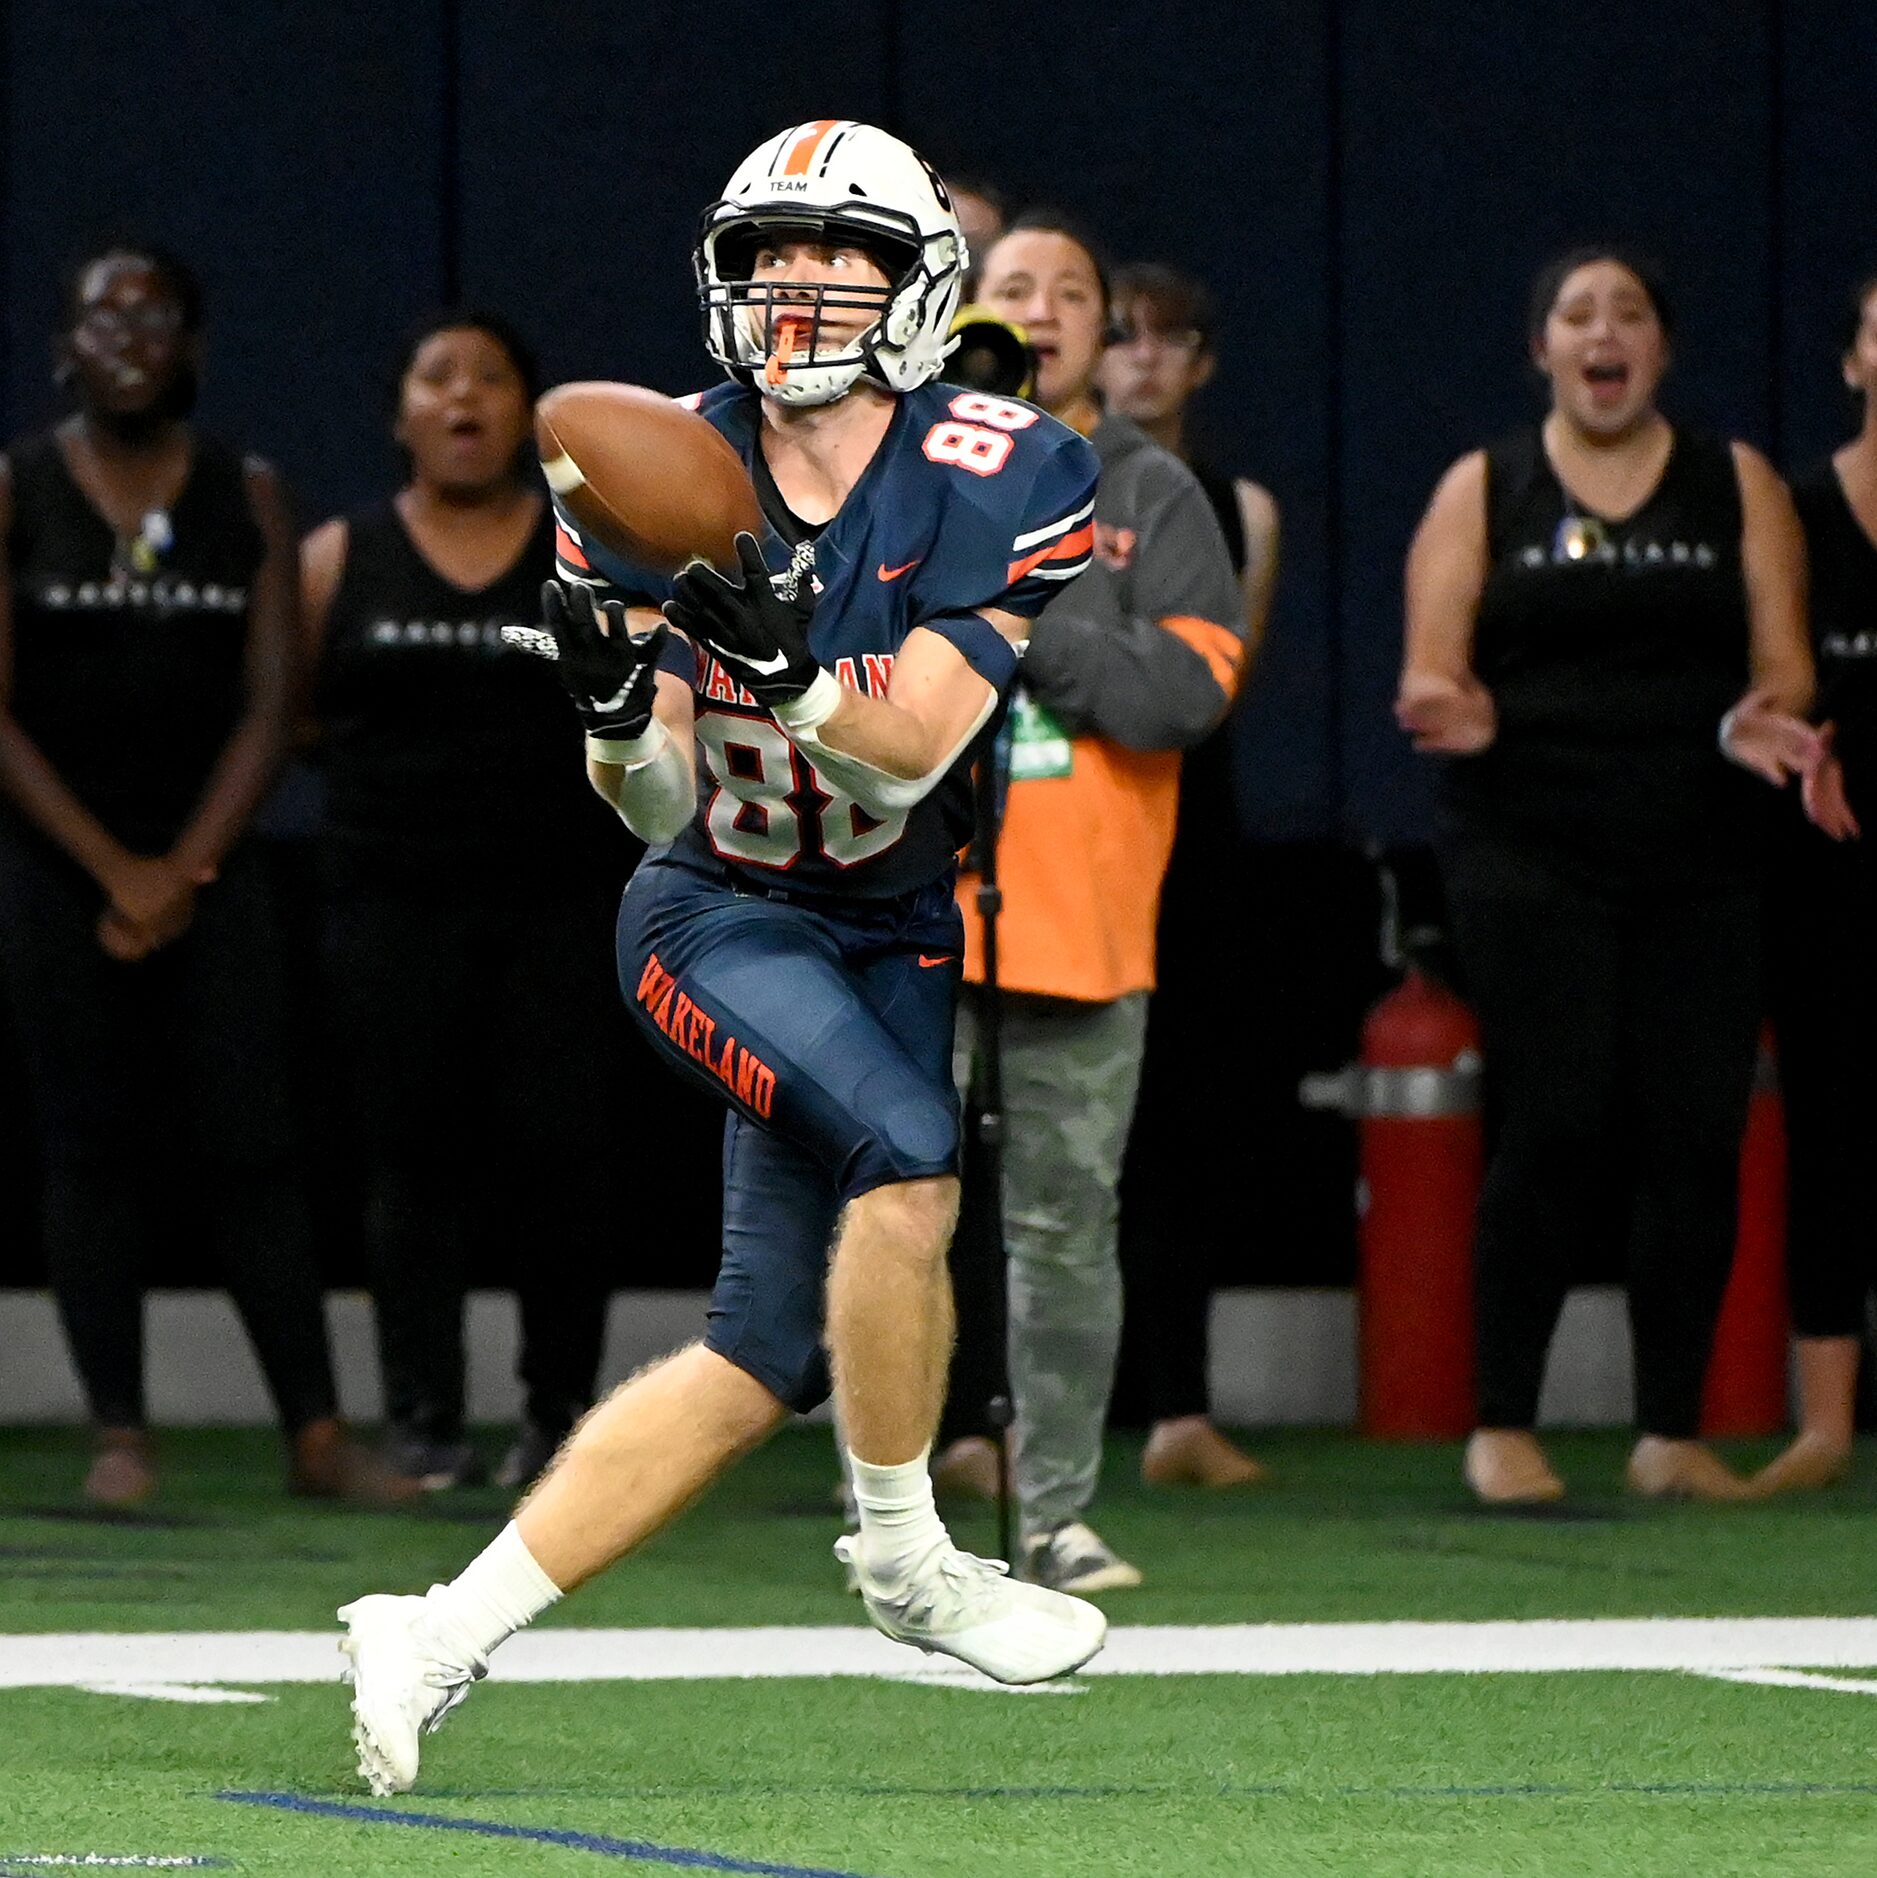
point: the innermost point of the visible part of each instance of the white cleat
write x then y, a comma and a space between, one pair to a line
404, 1681
959, 1605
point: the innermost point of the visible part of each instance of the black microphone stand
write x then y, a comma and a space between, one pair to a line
987, 1092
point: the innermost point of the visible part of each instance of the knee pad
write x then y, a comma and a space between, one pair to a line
911, 1135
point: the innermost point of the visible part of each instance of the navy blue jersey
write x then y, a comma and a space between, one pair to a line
970, 501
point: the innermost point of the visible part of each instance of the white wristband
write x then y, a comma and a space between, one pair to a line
813, 708
629, 753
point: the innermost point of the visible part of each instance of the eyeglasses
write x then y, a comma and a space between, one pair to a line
1190, 340
156, 319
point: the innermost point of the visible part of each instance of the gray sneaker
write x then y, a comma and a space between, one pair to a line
1074, 1557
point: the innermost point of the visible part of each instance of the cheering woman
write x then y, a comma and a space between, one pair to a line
1606, 642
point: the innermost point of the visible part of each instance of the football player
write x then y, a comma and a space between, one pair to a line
799, 738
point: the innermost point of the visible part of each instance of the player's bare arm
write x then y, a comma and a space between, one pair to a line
934, 706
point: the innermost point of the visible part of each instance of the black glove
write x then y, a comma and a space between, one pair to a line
611, 676
759, 632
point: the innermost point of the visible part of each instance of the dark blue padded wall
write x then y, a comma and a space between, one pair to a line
1188, 139
592, 137
1477, 141
1828, 213
293, 155
1367, 186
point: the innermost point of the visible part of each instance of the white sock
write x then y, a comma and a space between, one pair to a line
501, 1589
899, 1524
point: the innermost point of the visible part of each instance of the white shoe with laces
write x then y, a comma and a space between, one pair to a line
404, 1681
958, 1605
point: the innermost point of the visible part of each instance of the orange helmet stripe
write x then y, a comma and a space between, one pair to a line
806, 145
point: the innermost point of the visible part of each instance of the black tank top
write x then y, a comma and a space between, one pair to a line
1200, 911
448, 754
1843, 562
1222, 493
128, 655
1612, 650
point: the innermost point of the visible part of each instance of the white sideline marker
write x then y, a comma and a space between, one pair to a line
1793, 1679
172, 1692
203, 1666
99, 1861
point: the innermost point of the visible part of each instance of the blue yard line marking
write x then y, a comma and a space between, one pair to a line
539, 1835
1231, 1790
1700, 1789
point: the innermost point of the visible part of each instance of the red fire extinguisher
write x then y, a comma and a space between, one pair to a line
1747, 1387
1415, 1092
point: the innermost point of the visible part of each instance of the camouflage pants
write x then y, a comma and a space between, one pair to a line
1070, 1075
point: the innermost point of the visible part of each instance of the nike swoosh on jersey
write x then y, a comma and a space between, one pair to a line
942, 959
893, 573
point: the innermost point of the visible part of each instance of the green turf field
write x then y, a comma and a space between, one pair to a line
1583, 1771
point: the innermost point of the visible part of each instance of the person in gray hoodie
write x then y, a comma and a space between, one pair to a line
1133, 666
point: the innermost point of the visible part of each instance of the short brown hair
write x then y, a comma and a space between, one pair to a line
1174, 302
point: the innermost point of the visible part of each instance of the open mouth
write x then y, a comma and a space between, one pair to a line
1608, 379
466, 429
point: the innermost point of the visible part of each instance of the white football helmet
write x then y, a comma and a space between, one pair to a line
832, 179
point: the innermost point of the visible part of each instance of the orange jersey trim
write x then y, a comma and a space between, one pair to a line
568, 549
1219, 646
811, 140
1069, 548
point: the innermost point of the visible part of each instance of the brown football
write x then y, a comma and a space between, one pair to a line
652, 480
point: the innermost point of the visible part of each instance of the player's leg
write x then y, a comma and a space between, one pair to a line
855, 1022
890, 1317
640, 1458
645, 1453
755, 997
633, 1463
751, 970
889, 1336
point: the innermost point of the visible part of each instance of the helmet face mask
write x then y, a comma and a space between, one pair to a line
845, 185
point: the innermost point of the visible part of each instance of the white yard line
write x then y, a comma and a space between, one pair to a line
1793, 1679
193, 1660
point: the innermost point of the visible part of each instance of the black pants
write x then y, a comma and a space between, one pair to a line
1823, 977
1182, 1176
140, 1074
1619, 1029
485, 1043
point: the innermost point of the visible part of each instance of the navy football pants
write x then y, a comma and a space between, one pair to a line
827, 1026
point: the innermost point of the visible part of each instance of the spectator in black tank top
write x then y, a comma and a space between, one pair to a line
1823, 939
1588, 601
147, 623
1160, 357
469, 876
